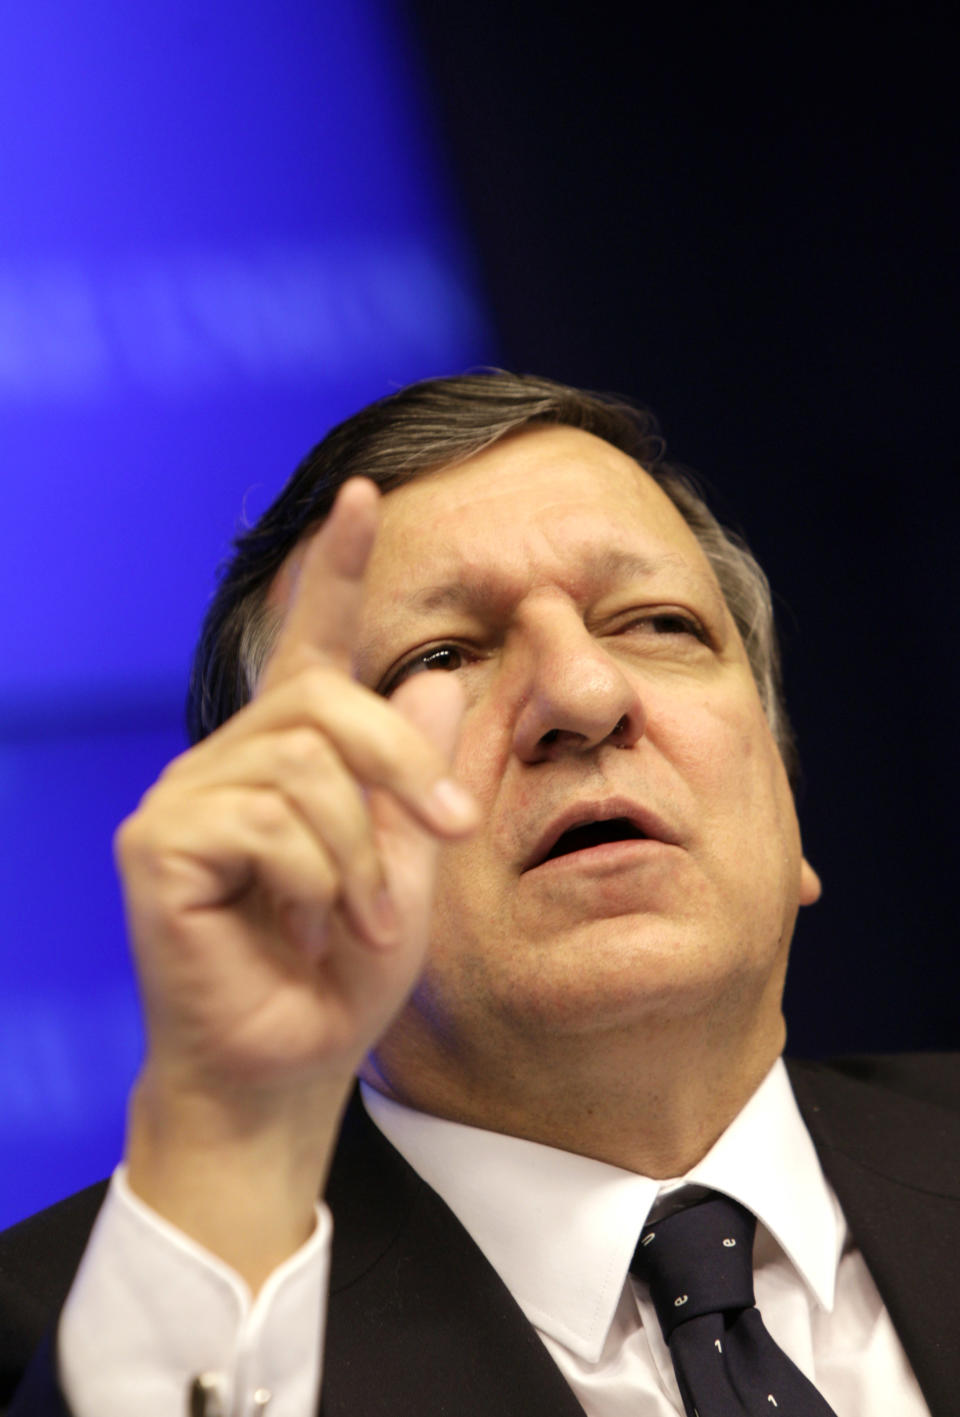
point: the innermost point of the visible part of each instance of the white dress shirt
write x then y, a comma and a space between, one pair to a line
561, 1230
150, 1310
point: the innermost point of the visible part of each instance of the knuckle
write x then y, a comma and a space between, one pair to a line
315, 884
315, 684
126, 839
301, 750
135, 837
177, 766
266, 814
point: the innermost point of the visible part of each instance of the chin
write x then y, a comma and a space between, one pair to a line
618, 974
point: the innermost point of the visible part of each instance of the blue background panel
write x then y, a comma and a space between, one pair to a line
70, 1037
223, 228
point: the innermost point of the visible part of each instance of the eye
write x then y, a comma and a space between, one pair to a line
668, 622
446, 657
674, 623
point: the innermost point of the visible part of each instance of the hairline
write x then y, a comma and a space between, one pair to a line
434, 425
724, 551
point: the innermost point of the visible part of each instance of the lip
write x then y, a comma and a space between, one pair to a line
579, 814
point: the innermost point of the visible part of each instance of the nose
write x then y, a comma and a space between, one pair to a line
574, 695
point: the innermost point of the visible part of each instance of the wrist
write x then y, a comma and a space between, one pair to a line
239, 1171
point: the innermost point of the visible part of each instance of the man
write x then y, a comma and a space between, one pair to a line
541, 902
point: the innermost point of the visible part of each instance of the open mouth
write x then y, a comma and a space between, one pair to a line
588, 834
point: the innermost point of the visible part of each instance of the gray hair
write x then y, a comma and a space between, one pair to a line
434, 424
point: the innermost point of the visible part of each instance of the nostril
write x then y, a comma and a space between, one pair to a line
550, 737
620, 734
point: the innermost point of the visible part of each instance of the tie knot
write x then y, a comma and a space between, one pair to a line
698, 1261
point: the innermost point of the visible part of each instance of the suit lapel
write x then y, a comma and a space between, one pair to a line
419, 1321
894, 1162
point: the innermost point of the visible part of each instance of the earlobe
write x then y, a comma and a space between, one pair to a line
810, 887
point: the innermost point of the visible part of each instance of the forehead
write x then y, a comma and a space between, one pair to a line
556, 503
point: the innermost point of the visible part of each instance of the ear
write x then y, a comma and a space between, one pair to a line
810, 887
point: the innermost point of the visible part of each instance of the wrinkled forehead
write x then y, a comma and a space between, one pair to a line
549, 501
557, 498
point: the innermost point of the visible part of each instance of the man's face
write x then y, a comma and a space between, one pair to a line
604, 679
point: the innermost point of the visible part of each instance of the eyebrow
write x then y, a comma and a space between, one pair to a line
604, 565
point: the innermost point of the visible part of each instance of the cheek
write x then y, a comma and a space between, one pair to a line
712, 738
709, 744
727, 762
755, 817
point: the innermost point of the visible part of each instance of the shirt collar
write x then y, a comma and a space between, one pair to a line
767, 1161
560, 1229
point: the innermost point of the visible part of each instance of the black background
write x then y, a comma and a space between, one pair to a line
745, 217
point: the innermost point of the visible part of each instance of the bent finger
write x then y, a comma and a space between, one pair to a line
303, 768
380, 743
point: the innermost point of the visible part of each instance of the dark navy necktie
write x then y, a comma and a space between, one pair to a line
698, 1263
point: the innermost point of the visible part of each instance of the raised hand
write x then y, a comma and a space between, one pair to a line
278, 881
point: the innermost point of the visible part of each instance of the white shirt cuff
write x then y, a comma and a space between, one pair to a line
150, 1310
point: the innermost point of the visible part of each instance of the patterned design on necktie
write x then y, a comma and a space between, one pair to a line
699, 1266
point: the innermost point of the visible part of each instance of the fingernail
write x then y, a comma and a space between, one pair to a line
452, 804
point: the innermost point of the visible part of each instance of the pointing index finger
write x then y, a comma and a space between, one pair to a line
328, 585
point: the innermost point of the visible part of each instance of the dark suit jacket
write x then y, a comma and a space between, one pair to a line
421, 1326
